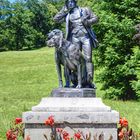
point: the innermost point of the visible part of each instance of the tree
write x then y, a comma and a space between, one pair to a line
24, 25
18, 32
4, 13
43, 17
116, 52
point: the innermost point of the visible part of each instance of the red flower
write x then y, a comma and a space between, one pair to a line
121, 135
18, 120
10, 135
27, 138
65, 135
50, 121
123, 122
77, 135
67, 138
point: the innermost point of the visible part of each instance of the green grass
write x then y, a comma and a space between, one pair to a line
27, 76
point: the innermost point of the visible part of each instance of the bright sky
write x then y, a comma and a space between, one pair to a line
11, 0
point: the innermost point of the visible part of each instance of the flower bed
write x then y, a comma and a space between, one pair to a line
16, 132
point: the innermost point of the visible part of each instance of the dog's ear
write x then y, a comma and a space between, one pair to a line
49, 35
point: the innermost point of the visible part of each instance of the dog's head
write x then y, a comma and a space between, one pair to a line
55, 38
137, 28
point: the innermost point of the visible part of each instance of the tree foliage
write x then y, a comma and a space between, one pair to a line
24, 25
117, 53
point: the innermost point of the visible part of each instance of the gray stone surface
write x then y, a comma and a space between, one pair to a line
108, 133
71, 105
73, 92
84, 114
72, 117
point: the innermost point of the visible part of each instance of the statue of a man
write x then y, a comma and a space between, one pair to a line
78, 31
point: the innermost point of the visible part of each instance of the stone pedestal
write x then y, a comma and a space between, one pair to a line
88, 115
73, 92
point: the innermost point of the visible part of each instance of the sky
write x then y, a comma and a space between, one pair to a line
11, 0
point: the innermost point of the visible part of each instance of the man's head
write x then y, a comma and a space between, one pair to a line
70, 4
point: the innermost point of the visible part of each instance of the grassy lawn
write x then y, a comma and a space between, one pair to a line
27, 76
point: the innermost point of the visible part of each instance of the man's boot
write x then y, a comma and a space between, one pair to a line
89, 67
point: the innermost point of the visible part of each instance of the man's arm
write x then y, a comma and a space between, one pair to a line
91, 18
60, 16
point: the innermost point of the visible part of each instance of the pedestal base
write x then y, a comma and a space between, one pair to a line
88, 115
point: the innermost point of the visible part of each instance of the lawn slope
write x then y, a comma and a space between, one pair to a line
27, 76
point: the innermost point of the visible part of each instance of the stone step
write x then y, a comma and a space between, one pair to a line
58, 104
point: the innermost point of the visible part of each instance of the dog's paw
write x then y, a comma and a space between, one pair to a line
60, 86
79, 86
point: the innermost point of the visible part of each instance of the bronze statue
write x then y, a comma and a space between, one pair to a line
79, 32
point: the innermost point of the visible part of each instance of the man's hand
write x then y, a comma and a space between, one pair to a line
85, 20
65, 9
60, 16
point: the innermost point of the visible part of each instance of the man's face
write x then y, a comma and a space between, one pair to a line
71, 4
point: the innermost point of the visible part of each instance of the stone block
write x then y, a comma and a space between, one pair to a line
73, 92
71, 105
84, 114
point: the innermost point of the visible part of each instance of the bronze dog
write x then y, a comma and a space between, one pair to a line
68, 55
